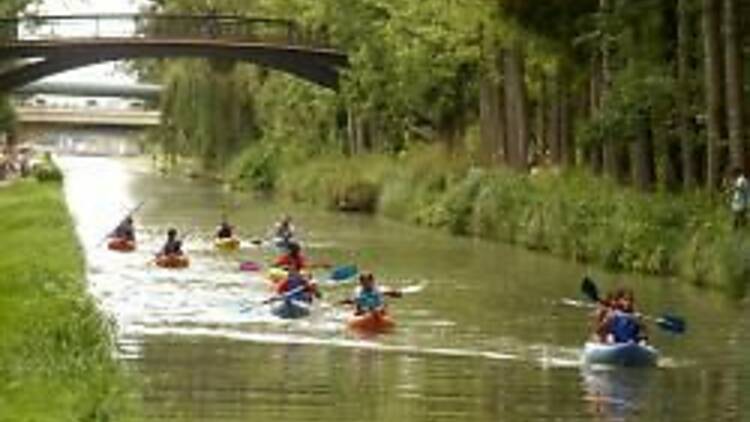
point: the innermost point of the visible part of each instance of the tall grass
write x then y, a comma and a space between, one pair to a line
572, 215
56, 353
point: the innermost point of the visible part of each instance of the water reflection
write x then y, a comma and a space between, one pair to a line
614, 394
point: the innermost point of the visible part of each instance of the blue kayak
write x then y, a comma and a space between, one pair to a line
620, 354
291, 309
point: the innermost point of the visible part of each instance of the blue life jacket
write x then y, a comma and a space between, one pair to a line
369, 300
624, 327
296, 282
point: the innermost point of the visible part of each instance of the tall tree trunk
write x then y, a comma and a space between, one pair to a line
492, 110
673, 165
642, 156
595, 151
518, 107
609, 150
712, 70
684, 46
542, 118
553, 128
734, 82
567, 141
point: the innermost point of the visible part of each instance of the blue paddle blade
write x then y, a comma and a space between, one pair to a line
672, 324
344, 273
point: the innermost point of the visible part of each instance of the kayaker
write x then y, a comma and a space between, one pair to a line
368, 297
225, 230
172, 246
298, 287
623, 323
283, 232
292, 259
125, 230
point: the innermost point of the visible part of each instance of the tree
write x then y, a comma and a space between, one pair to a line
713, 88
734, 83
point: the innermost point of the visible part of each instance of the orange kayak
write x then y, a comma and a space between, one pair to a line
371, 322
121, 245
172, 261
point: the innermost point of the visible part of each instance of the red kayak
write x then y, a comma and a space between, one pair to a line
121, 245
371, 322
172, 261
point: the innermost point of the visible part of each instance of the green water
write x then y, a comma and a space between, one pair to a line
483, 338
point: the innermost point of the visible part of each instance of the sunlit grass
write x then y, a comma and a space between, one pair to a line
572, 215
56, 353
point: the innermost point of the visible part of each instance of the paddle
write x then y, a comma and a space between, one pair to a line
130, 212
273, 299
667, 322
250, 266
343, 273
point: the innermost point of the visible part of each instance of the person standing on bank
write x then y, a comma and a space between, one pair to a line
740, 198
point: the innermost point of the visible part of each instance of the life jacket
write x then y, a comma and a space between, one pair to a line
124, 231
368, 300
298, 283
172, 247
624, 327
225, 231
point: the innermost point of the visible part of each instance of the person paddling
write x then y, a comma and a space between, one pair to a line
368, 297
172, 246
292, 259
225, 230
283, 232
298, 287
623, 323
125, 230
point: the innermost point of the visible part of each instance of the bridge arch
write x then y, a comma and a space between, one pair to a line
288, 53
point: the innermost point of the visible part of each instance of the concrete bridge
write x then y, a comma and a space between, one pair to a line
91, 89
39, 46
89, 117
89, 129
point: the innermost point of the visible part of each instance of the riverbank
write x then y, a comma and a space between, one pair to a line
573, 215
57, 352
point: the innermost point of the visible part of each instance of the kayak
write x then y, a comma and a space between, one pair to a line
227, 244
291, 309
621, 354
172, 261
121, 245
371, 322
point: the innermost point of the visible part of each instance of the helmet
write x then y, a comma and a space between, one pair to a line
172, 232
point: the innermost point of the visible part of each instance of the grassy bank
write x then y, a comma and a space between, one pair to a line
573, 215
56, 353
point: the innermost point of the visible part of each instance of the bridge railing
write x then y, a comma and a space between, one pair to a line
157, 26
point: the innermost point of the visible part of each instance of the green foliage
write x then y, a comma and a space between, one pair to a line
335, 182
572, 215
7, 115
56, 357
47, 171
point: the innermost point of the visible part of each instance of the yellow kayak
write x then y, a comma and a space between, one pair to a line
228, 244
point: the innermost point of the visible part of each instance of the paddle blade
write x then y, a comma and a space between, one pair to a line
344, 273
589, 289
672, 323
250, 266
